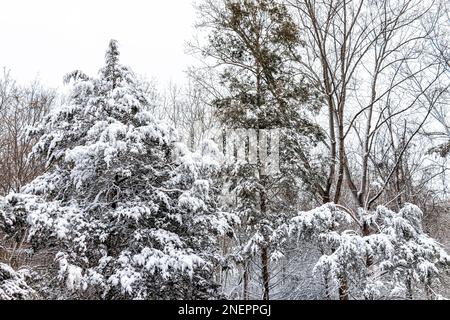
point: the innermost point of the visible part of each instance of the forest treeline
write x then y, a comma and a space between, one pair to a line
121, 190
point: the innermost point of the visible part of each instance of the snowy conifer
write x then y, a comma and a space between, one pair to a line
404, 261
128, 210
252, 45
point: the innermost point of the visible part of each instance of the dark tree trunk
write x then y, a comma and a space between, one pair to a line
343, 289
265, 272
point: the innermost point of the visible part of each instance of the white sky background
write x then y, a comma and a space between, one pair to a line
49, 38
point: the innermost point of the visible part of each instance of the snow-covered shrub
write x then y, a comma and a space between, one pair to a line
13, 285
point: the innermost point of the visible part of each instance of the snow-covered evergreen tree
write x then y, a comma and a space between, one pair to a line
252, 45
405, 263
130, 212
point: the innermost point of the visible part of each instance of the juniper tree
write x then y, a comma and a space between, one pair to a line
252, 45
405, 262
129, 212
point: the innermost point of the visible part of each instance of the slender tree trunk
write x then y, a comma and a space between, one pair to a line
265, 272
245, 292
409, 292
264, 248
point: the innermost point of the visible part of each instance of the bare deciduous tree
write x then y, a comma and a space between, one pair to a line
20, 108
378, 64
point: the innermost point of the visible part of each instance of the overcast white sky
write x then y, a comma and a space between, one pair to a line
49, 38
